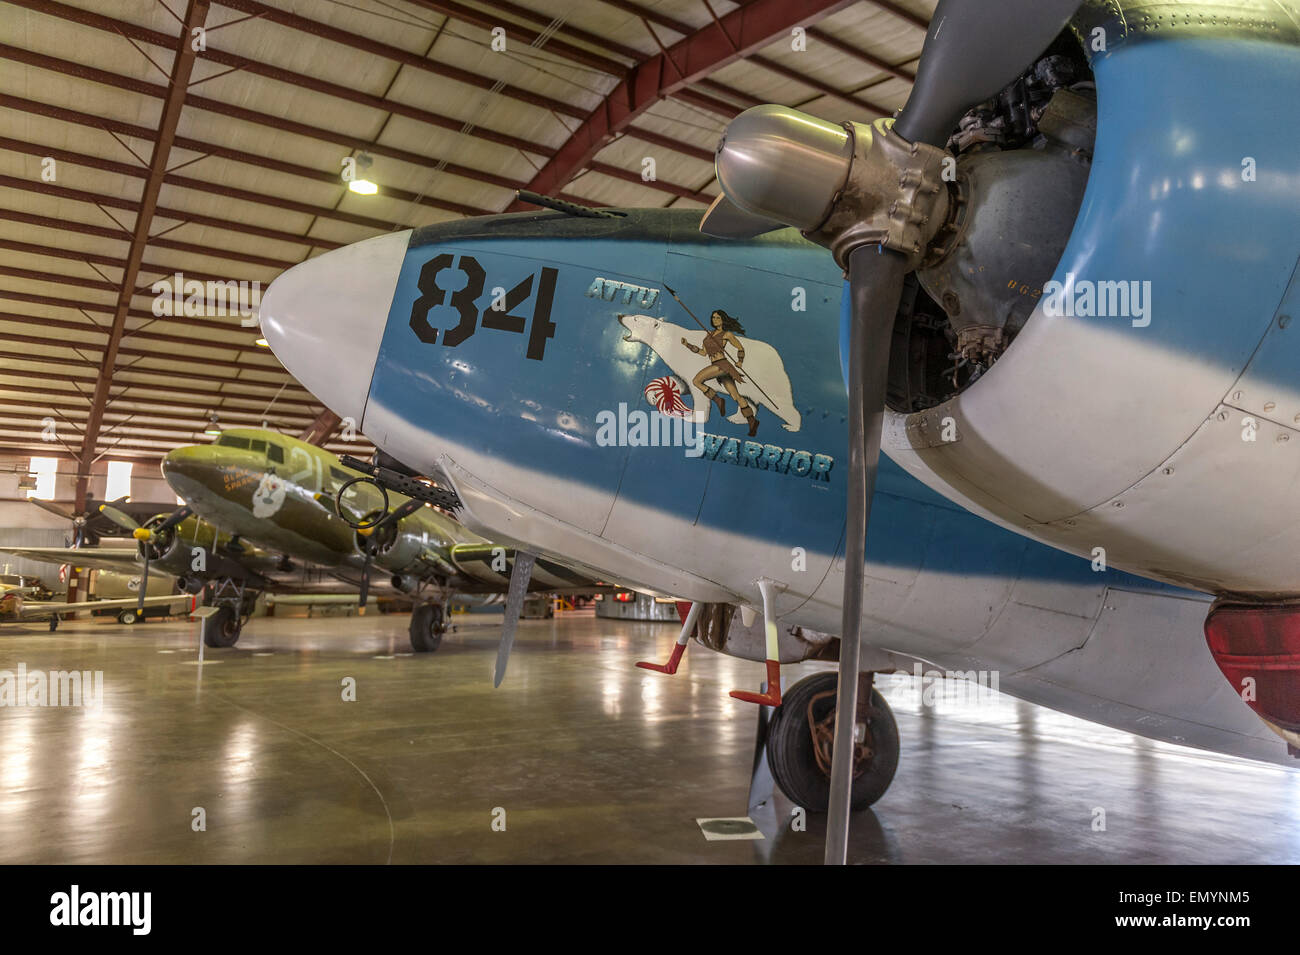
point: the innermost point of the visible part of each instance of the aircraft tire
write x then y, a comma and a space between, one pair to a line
427, 628
792, 758
129, 617
222, 628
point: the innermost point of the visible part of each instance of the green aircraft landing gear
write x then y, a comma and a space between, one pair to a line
428, 624
222, 628
799, 743
234, 606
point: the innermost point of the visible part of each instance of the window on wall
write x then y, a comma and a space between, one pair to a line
45, 470
119, 480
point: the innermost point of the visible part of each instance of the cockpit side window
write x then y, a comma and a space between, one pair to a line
257, 446
231, 441
274, 453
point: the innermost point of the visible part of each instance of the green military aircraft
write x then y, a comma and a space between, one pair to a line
292, 498
20, 602
179, 545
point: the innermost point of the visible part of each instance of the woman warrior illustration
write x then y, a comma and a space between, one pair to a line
725, 330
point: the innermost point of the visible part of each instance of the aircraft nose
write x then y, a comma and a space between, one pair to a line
180, 466
324, 319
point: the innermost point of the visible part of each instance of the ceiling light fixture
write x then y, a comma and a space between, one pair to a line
359, 183
214, 427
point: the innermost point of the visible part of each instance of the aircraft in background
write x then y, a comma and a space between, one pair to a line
293, 498
1073, 350
176, 545
17, 605
90, 526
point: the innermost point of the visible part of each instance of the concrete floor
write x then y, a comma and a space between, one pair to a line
591, 759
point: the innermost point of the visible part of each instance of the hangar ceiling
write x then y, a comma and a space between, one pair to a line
144, 138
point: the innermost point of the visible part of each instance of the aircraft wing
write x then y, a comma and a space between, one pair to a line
122, 559
36, 611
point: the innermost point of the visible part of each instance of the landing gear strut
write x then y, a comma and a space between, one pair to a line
800, 740
234, 606
428, 624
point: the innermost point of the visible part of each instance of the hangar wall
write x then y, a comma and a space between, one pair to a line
24, 524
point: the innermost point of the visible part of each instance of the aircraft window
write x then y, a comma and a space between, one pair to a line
230, 441
338, 475
275, 453
257, 446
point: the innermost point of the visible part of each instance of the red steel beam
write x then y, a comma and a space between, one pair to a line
33, 248
137, 389
270, 71
82, 306
488, 21
16, 448
198, 185
176, 371
160, 212
171, 373
182, 67
416, 61
225, 152
121, 81
138, 334
780, 69
112, 416
322, 429
823, 36
732, 37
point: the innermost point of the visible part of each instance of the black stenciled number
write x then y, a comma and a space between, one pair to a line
430, 296
433, 295
543, 327
502, 320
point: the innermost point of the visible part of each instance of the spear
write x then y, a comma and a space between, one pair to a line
750, 374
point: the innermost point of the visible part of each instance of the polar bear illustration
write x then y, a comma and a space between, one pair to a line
269, 495
762, 364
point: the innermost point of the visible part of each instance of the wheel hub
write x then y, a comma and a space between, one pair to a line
823, 735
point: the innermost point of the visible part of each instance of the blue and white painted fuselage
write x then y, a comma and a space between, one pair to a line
1089, 435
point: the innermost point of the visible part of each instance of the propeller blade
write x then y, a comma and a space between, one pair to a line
174, 518
54, 509
120, 518
365, 580
972, 51
520, 574
144, 581
876, 285
404, 511
726, 220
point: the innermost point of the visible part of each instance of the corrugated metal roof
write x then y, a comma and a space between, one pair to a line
285, 91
